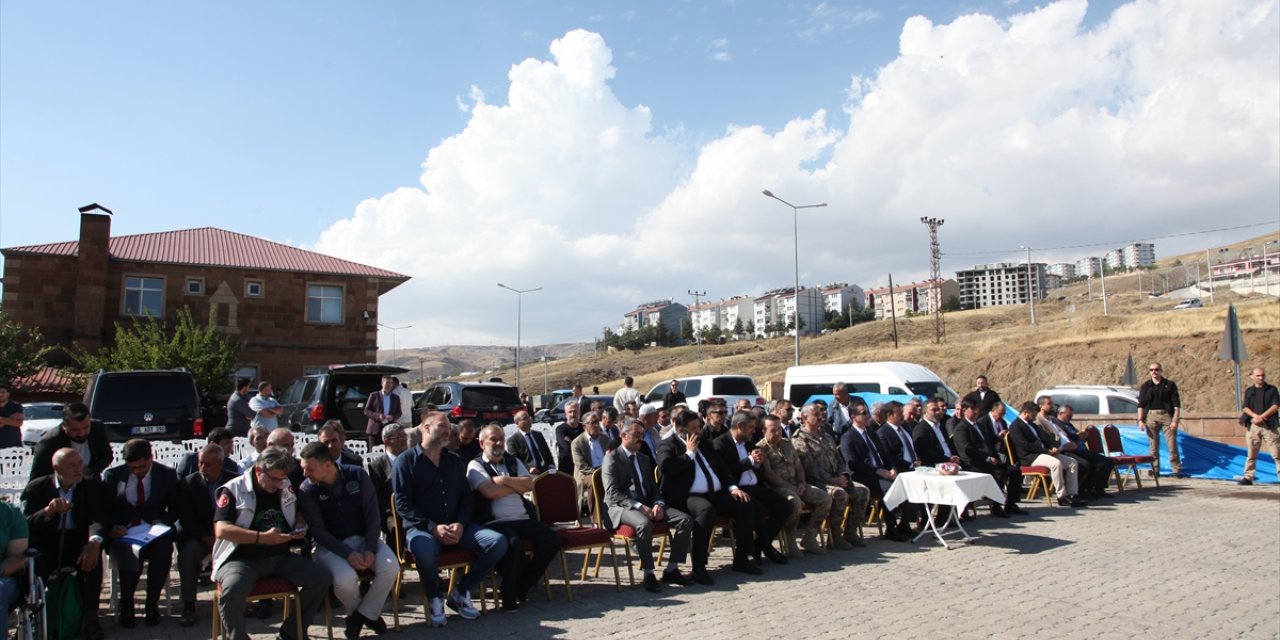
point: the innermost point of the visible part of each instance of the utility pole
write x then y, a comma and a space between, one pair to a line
893, 311
697, 335
935, 264
1031, 298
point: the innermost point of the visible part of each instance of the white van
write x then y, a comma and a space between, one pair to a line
903, 378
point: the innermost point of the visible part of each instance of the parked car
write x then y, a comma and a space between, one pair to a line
1094, 399
338, 393
151, 404
556, 414
38, 419
729, 388
1189, 303
894, 378
481, 401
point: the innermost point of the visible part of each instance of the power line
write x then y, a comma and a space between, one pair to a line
1112, 243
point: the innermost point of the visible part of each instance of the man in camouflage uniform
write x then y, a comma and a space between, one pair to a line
824, 467
784, 473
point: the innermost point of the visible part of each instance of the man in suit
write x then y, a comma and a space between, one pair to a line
1100, 465
992, 426
529, 445
933, 444
588, 454
195, 522
983, 397
868, 464
977, 454
1035, 448
395, 441
382, 408
140, 491
694, 482
333, 436
65, 521
737, 450
896, 438
78, 432
839, 414
631, 497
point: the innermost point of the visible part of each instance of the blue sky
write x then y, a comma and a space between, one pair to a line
309, 123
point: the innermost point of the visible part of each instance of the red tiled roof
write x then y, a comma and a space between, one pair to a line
46, 380
208, 246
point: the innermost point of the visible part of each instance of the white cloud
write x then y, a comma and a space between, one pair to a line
718, 50
1031, 130
824, 20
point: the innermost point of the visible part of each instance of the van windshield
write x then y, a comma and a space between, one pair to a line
934, 390
731, 386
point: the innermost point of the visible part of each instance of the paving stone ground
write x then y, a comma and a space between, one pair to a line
1192, 559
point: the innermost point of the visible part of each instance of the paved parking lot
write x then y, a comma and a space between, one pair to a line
1193, 559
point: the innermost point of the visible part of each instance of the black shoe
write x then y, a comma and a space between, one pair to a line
651, 583
510, 604
354, 622
152, 617
1014, 510
92, 628
774, 556
377, 625
1181, 474
673, 576
701, 576
1065, 502
262, 609
125, 616
1101, 494
998, 511
1245, 482
897, 536
188, 616
747, 567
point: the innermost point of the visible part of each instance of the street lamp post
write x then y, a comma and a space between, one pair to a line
519, 312
1031, 298
394, 330
1266, 267
795, 212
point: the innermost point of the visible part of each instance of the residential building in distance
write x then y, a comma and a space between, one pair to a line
1064, 270
1089, 267
915, 297
1139, 255
705, 316
293, 311
1113, 259
779, 307
840, 297
1003, 283
734, 309
666, 313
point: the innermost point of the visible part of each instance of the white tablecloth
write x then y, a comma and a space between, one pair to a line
933, 489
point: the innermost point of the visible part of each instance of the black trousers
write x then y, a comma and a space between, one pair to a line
704, 507
772, 510
159, 558
520, 573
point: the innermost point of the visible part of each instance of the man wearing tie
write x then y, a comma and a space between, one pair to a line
631, 497
693, 482
529, 445
738, 453
869, 465
977, 453
141, 491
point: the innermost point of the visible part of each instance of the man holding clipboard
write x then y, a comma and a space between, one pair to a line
141, 492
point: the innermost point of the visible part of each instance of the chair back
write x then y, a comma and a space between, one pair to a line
397, 531
555, 495
1115, 446
597, 498
1014, 459
1093, 440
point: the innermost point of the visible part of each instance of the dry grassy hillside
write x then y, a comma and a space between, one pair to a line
1072, 343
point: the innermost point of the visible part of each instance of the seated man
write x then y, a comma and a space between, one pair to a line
1093, 484
332, 435
783, 473
529, 446
566, 432
694, 482
255, 521
435, 504
195, 522
870, 465
500, 481
466, 447
738, 454
1035, 448
631, 497
394, 441
978, 453
588, 454
13, 539
824, 468
140, 491
65, 522
258, 440
283, 439
222, 437
340, 505
933, 444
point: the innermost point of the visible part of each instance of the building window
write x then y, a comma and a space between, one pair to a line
144, 296
324, 303
312, 370
249, 371
253, 288
195, 286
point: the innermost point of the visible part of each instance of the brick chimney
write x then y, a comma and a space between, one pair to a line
91, 276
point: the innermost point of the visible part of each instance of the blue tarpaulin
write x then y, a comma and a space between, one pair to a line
1200, 458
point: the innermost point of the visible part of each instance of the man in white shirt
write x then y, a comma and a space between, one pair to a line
627, 393
406, 403
266, 408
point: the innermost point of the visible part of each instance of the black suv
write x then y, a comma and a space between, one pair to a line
339, 393
483, 402
152, 404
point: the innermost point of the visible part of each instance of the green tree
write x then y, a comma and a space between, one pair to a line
751, 328
22, 350
686, 328
149, 344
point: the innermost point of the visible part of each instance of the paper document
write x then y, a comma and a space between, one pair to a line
142, 534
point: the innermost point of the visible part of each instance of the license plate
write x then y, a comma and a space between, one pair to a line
494, 415
146, 430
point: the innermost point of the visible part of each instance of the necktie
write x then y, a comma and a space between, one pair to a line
142, 499
711, 479
906, 442
875, 459
641, 485
533, 447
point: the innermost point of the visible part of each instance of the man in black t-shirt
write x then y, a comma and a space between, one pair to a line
255, 518
11, 419
674, 397
1261, 403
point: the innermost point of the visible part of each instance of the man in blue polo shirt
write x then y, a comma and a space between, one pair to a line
341, 506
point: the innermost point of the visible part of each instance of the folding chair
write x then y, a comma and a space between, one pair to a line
1040, 475
555, 496
1093, 442
451, 560
625, 533
271, 588
1115, 450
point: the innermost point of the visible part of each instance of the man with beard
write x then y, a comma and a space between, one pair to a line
78, 432
566, 432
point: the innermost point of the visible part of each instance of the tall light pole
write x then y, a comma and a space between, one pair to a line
697, 336
519, 312
393, 337
1031, 298
1266, 267
795, 212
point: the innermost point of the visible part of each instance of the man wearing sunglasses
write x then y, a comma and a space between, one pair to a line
1160, 407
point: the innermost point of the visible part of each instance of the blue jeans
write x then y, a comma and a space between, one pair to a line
8, 596
488, 545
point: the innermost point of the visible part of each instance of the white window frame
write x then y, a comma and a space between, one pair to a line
262, 288
142, 289
199, 282
341, 301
